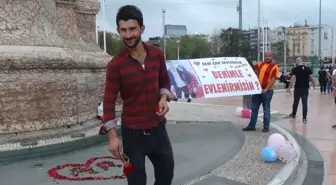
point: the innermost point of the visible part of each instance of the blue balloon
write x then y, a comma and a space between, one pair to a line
269, 154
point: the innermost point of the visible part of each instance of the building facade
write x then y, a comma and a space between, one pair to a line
175, 30
298, 41
303, 40
251, 37
277, 34
327, 45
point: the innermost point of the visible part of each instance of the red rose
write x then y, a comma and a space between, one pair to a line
157, 108
128, 169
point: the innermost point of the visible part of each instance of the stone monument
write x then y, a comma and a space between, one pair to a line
52, 72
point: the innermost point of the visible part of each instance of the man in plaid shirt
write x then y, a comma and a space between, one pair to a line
139, 73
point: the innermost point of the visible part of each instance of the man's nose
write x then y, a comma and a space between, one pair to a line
128, 34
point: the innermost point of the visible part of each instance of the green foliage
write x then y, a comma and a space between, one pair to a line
278, 50
224, 43
233, 43
113, 42
194, 46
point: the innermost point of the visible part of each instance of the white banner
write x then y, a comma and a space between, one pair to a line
212, 77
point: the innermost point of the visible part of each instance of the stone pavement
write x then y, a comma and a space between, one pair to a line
209, 147
318, 130
195, 153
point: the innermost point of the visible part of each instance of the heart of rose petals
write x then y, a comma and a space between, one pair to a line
85, 169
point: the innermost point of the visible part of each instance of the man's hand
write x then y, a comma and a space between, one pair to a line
163, 107
264, 91
115, 147
289, 91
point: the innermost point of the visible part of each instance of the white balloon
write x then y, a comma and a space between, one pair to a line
238, 111
276, 140
286, 152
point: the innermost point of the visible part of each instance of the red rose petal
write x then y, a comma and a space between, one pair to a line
83, 170
128, 169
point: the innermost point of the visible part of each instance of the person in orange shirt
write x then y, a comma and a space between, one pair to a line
267, 73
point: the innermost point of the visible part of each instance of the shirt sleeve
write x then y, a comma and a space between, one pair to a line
112, 87
256, 68
275, 72
293, 71
164, 81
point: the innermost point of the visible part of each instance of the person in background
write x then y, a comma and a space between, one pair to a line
301, 76
333, 84
267, 73
323, 80
285, 79
333, 80
139, 73
329, 83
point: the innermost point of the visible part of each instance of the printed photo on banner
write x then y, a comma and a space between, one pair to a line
226, 76
184, 81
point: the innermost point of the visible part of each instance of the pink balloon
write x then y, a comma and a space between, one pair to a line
246, 113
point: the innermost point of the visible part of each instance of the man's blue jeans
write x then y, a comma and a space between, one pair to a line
265, 100
329, 89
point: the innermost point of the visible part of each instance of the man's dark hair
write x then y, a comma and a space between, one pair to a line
128, 12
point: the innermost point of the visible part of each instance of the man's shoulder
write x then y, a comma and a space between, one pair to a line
295, 68
153, 49
275, 65
119, 57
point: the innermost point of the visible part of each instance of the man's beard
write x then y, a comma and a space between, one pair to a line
137, 40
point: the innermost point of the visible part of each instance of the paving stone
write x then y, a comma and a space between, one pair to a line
214, 180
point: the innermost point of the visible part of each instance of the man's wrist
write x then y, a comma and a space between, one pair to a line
164, 97
107, 126
165, 93
112, 134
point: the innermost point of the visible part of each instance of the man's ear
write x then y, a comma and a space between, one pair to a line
142, 29
118, 30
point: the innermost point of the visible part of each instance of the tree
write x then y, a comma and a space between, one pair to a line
278, 50
113, 42
216, 44
171, 49
190, 46
233, 43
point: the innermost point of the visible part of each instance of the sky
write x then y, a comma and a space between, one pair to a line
206, 16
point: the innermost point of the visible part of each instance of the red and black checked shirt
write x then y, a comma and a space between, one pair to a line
139, 87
